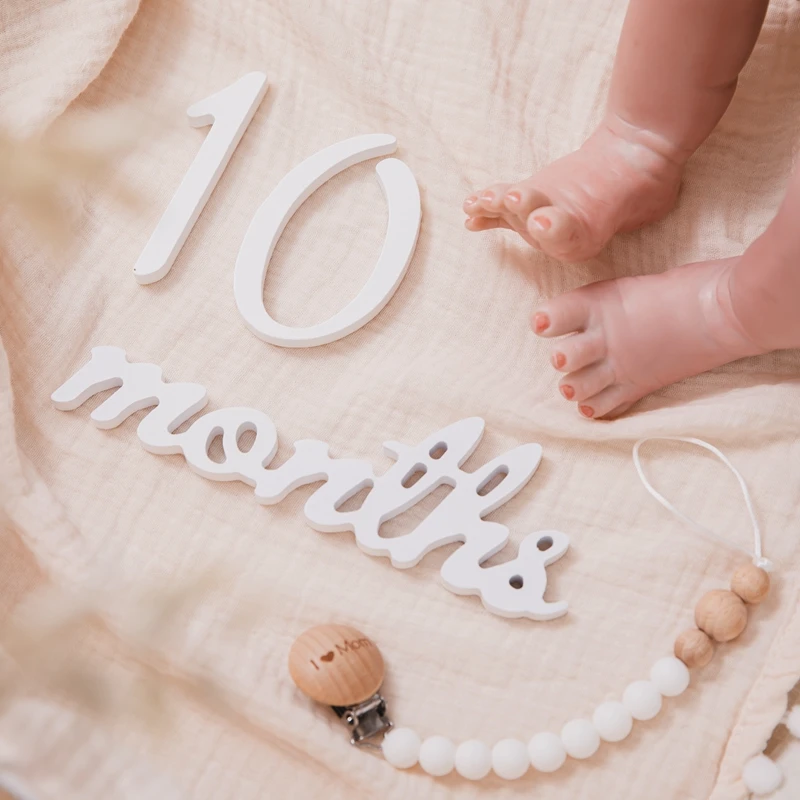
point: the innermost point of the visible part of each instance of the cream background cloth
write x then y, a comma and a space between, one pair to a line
473, 92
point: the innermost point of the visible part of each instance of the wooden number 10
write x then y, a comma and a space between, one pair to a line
229, 112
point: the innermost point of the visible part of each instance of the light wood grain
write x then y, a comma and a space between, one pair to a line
336, 665
750, 583
721, 614
694, 648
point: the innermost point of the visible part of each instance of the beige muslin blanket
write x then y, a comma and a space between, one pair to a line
473, 92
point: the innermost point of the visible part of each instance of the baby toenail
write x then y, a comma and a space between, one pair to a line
542, 223
559, 359
514, 197
587, 411
487, 196
568, 392
470, 200
541, 322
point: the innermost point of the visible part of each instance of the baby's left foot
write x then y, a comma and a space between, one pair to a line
632, 336
620, 179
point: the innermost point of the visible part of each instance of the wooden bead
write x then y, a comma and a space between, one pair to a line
336, 665
751, 583
694, 648
721, 614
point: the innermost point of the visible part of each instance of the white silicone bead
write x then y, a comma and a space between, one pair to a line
761, 775
401, 747
642, 699
473, 760
670, 676
793, 721
613, 721
580, 738
546, 751
510, 759
437, 756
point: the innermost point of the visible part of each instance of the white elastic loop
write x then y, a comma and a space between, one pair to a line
758, 558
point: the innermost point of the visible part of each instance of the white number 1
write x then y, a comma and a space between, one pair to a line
229, 112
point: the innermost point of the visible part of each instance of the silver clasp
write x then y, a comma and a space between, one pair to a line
365, 719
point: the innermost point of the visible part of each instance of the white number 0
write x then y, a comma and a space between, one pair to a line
229, 112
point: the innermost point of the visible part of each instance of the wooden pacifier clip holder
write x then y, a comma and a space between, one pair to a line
342, 668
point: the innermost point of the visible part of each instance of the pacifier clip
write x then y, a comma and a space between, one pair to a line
341, 667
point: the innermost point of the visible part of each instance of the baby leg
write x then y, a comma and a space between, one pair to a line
675, 74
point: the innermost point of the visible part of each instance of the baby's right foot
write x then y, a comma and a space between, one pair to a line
619, 180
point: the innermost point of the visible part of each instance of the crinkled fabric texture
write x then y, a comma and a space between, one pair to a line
473, 92
49, 53
789, 761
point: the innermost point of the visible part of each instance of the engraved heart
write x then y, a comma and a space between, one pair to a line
327, 656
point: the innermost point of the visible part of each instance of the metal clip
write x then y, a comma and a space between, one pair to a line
365, 719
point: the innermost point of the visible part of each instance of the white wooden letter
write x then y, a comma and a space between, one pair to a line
231, 423
229, 112
138, 386
515, 588
402, 197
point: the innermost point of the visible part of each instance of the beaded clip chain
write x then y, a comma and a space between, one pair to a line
341, 667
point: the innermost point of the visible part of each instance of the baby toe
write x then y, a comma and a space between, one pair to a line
618, 411
588, 382
521, 199
578, 351
471, 206
565, 314
559, 233
477, 224
491, 198
605, 402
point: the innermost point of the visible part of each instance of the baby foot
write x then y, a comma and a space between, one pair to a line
620, 179
631, 336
